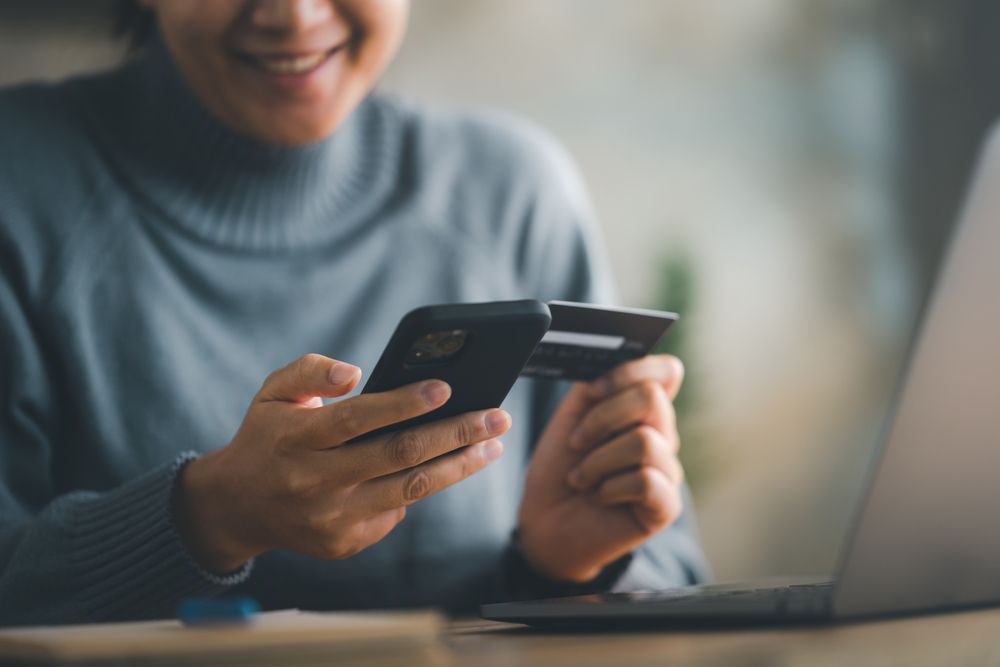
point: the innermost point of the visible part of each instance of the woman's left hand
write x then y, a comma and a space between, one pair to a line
605, 475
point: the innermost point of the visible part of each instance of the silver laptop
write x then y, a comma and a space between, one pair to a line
926, 536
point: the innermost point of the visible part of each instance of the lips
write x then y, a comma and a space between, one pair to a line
287, 64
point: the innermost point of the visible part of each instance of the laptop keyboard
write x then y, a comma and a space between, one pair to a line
806, 600
786, 599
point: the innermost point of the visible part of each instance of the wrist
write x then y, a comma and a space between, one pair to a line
558, 569
523, 580
201, 520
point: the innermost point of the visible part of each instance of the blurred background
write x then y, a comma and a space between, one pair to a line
784, 173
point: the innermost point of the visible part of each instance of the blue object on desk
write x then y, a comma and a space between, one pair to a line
217, 611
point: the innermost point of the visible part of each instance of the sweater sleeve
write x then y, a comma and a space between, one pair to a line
81, 555
564, 259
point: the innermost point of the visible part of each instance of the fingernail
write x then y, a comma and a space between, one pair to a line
435, 392
493, 449
343, 373
574, 478
497, 421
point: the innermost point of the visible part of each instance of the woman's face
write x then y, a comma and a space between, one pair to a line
281, 71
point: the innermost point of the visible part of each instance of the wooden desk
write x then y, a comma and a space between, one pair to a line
970, 638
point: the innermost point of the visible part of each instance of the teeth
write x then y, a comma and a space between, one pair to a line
291, 65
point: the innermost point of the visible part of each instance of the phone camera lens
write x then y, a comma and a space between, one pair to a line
437, 347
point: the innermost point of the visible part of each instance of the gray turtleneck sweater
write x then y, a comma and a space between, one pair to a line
154, 267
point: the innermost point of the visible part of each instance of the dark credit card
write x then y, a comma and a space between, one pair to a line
586, 341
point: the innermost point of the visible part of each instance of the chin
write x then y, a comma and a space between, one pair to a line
296, 129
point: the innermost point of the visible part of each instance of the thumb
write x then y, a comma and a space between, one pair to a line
307, 377
575, 404
552, 458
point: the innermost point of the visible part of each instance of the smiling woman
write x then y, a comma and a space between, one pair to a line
233, 197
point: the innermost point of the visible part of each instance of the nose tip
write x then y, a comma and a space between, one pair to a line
290, 14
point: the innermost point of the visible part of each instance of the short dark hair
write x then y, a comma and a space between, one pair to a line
133, 23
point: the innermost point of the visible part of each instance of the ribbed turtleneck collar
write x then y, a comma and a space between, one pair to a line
224, 187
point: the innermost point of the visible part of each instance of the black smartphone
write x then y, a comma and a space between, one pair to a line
477, 348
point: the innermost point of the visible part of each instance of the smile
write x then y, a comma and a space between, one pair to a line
288, 64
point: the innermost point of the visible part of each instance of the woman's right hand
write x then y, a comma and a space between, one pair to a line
288, 480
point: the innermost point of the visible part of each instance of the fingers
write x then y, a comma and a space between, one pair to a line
407, 487
410, 447
643, 403
664, 369
339, 422
657, 501
307, 377
641, 446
